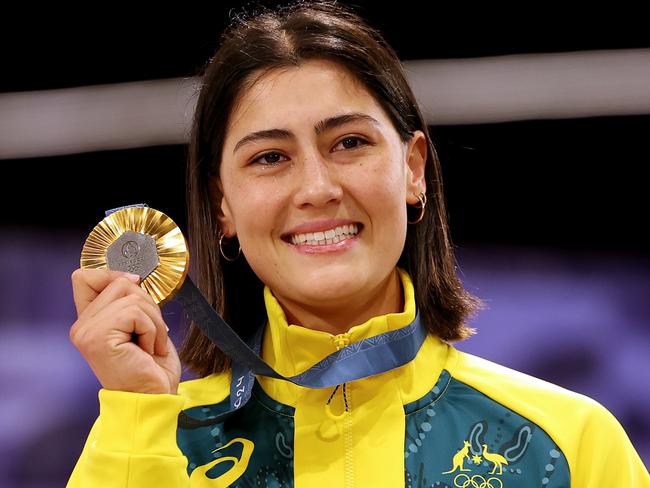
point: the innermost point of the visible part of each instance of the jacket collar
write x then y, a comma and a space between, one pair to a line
292, 349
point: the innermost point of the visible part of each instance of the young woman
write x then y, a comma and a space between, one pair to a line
316, 213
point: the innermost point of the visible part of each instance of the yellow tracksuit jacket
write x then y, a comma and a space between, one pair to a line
445, 419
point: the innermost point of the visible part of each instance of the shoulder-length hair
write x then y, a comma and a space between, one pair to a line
284, 37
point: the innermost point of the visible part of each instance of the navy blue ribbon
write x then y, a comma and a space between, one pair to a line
135, 205
368, 357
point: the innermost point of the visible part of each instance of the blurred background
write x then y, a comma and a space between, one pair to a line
541, 120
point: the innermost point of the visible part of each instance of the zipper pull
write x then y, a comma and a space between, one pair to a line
341, 340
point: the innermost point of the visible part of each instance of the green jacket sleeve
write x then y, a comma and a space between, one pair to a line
133, 443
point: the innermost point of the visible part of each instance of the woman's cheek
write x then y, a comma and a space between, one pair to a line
257, 202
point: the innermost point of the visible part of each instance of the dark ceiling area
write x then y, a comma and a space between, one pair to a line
60, 46
574, 183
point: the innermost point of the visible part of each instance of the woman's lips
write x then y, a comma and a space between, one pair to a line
322, 232
344, 242
317, 225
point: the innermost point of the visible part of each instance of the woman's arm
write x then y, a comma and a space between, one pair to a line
121, 333
133, 443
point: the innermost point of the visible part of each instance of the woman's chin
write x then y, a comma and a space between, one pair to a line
328, 284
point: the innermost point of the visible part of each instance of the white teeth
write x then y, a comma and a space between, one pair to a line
330, 236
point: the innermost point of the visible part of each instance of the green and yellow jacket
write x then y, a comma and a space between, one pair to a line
445, 419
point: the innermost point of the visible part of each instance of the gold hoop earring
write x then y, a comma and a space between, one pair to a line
423, 201
223, 254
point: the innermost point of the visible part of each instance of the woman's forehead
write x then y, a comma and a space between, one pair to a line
308, 93
314, 72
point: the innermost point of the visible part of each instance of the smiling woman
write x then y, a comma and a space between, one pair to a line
327, 181
317, 217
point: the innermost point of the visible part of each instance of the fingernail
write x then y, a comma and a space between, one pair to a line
133, 277
167, 328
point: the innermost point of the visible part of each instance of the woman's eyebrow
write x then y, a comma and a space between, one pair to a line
339, 120
263, 134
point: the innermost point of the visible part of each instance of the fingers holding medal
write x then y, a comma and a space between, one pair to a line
132, 261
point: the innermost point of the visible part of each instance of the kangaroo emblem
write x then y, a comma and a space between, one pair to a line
497, 459
458, 460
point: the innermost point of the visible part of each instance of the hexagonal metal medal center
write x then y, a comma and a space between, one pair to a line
133, 252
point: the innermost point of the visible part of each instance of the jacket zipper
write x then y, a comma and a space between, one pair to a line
341, 341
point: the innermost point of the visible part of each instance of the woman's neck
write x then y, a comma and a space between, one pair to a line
338, 318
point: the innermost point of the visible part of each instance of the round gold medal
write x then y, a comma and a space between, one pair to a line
142, 241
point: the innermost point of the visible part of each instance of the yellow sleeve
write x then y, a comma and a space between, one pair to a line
133, 443
606, 456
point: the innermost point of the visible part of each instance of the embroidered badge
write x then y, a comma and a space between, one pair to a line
462, 480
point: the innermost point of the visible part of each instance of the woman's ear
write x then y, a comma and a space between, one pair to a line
221, 209
416, 158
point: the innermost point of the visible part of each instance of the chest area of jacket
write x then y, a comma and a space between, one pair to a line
454, 437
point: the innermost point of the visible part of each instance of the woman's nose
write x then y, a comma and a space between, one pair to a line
317, 183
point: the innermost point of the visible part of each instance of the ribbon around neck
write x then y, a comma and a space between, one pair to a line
368, 357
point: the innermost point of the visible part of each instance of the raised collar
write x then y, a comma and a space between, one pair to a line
292, 349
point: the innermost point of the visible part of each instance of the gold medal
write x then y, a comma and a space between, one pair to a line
142, 241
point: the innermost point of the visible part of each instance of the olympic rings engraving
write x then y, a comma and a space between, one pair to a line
477, 481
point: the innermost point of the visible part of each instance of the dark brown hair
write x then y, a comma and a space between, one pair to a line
284, 37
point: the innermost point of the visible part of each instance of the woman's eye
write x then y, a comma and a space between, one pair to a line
270, 158
350, 143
